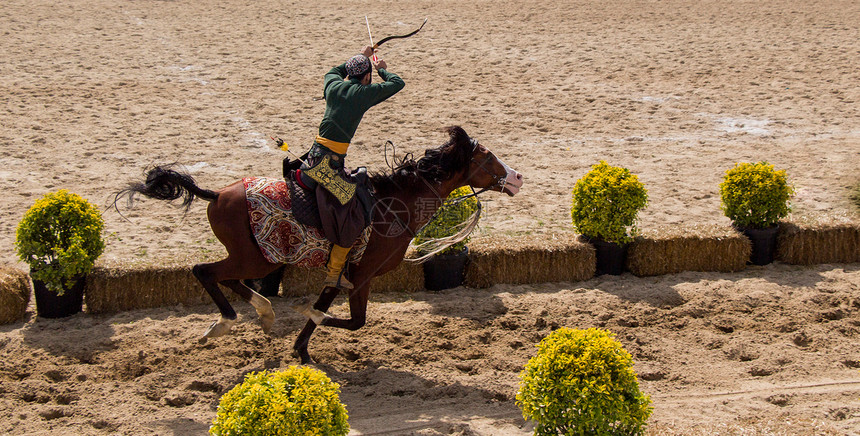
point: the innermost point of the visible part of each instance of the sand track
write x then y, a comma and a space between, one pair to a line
771, 349
92, 92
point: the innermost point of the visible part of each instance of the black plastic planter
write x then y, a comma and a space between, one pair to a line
611, 257
763, 244
445, 271
51, 305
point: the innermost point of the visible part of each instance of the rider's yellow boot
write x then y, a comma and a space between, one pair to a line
334, 277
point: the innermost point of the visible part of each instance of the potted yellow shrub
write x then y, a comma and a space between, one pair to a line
581, 382
60, 238
297, 401
605, 204
755, 197
447, 268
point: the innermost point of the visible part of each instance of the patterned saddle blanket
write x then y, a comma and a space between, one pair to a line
281, 238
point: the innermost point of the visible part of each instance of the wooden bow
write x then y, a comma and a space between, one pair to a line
388, 38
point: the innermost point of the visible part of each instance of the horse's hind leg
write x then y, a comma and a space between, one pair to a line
207, 274
228, 217
261, 304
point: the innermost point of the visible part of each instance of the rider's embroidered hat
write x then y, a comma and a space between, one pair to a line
357, 66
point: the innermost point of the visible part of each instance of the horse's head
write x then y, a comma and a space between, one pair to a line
486, 170
460, 160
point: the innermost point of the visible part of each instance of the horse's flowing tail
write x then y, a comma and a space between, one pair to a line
166, 183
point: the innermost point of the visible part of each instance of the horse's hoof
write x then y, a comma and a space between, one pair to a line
267, 320
303, 302
219, 328
264, 310
301, 306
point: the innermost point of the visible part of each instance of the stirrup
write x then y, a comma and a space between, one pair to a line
339, 282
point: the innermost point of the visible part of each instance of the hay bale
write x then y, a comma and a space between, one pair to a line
528, 259
818, 242
118, 287
298, 282
671, 250
14, 294
407, 277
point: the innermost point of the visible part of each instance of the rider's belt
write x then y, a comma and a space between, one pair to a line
331, 180
337, 147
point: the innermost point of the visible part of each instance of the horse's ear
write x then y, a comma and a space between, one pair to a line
458, 135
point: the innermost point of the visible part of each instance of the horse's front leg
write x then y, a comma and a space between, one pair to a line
323, 303
357, 311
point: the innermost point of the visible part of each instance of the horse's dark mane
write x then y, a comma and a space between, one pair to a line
438, 164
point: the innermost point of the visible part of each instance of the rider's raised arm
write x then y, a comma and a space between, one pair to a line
381, 91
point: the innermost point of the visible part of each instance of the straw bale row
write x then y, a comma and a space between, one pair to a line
528, 260
513, 260
14, 294
677, 249
120, 288
818, 243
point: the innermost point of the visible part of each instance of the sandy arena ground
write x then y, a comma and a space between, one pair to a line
92, 92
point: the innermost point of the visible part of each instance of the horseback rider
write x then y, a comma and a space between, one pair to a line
349, 93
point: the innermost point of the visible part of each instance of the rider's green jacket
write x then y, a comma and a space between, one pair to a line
348, 100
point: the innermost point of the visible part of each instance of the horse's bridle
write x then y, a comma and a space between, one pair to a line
498, 181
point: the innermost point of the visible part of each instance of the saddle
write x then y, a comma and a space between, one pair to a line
282, 239
303, 185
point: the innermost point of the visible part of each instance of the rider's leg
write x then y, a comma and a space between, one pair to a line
334, 276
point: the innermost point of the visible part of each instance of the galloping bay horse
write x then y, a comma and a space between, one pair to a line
403, 195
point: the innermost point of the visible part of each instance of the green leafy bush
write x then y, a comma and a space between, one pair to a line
449, 220
60, 238
296, 401
606, 202
581, 382
755, 195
